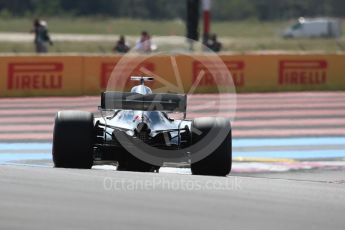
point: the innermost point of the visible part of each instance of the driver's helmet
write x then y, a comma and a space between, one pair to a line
141, 89
147, 116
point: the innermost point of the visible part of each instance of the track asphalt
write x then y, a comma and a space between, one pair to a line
289, 173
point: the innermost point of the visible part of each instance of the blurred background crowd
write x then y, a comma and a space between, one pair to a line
94, 26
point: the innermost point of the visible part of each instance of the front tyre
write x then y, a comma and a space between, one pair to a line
73, 140
219, 162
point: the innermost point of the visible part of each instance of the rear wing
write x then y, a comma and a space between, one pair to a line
150, 102
141, 79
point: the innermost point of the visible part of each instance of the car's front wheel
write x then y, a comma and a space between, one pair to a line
73, 140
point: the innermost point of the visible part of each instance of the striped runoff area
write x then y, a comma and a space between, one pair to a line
272, 125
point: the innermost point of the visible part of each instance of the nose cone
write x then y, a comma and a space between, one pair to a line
141, 89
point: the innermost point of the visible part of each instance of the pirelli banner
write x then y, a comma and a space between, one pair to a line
269, 73
250, 73
41, 76
88, 75
171, 73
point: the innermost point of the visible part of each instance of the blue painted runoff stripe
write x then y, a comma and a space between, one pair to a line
10, 157
236, 143
305, 141
295, 154
303, 154
25, 146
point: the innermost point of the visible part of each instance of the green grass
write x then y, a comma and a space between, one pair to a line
236, 36
249, 28
97, 26
59, 47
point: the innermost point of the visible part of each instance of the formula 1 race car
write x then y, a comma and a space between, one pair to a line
135, 129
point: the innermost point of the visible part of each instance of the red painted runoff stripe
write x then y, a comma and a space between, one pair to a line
279, 95
292, 106
33, 111
291, 122
238, 113
24, 136
47, 105
263, 105
275, 101
49, 99
258, 115
28, 120
270, 114
288, 132
323, 112
24, 128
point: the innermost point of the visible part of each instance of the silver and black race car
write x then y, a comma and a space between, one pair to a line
136, 133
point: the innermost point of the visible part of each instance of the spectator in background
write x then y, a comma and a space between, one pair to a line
144, 43
206, 40
121, 46
42, 38
213, 43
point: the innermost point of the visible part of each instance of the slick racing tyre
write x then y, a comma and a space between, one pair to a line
218, 162
73, 140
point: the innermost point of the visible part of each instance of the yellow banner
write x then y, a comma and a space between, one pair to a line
40, 76
114, 72
88, 75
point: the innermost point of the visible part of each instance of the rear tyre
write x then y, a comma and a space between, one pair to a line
219, 162
73, 140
